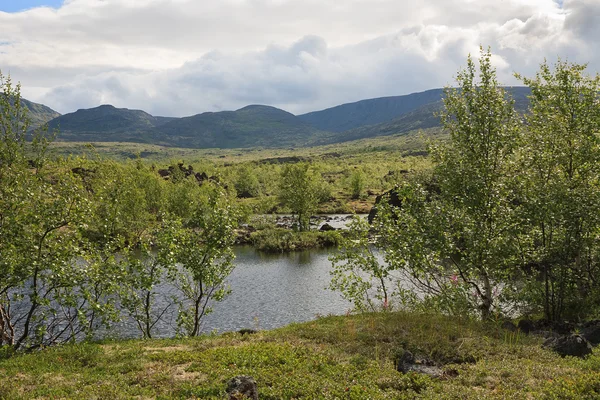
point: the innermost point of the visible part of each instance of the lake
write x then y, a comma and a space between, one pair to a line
268, 291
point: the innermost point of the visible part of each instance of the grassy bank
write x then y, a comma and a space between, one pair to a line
280, 240
334, 357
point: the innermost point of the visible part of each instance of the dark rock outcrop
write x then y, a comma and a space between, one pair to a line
242, 387
201, 177
569, 345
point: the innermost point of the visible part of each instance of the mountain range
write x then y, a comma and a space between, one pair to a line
255, 125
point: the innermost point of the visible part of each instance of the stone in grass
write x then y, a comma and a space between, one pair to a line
407, 363
569, 345
242, 387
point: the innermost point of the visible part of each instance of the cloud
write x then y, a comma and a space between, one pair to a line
182, 57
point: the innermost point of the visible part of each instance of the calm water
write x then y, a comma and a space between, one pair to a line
268, 291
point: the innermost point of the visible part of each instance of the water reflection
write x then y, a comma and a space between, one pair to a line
268, 291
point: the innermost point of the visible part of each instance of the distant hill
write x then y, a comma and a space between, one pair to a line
423, 117
369, 112
106, 123
39, 114
251, 126
257, 125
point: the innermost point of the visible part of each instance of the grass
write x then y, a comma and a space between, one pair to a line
348, 357
396, 146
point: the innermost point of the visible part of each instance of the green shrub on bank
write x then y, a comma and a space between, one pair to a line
278, 240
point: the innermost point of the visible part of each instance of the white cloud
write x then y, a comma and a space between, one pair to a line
182, 57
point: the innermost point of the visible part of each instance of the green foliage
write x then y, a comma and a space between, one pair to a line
474, 171
357, 184
201, 246
49, 291
246, 183
359, 273
508, 217
301, 189
561, 160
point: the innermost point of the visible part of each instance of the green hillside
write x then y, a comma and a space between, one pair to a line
421, 118
251, 126
106, 123
39, 113
369, 112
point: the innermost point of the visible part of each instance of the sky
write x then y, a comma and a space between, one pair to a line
20, 5
183, 57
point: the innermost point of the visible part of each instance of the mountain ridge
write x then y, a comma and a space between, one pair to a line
259, 125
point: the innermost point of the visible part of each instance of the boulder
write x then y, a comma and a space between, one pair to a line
509, 326
526, 326
591, 332
563, 327
326, 228
242, 387
569, 345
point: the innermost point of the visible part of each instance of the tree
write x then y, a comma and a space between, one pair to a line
357, 184
453, 235
202, 247
46, 287
246, 183
475, 171
300, 190
147, 267
560, 190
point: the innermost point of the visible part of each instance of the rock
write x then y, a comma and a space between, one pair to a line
201, 177
564, 327
244, 195
326, 228
591, 332
509, 326
242, 387
526, 326
407, 363
547, 334
391, 197
569, 345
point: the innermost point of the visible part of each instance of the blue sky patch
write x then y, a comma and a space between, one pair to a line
20, 5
